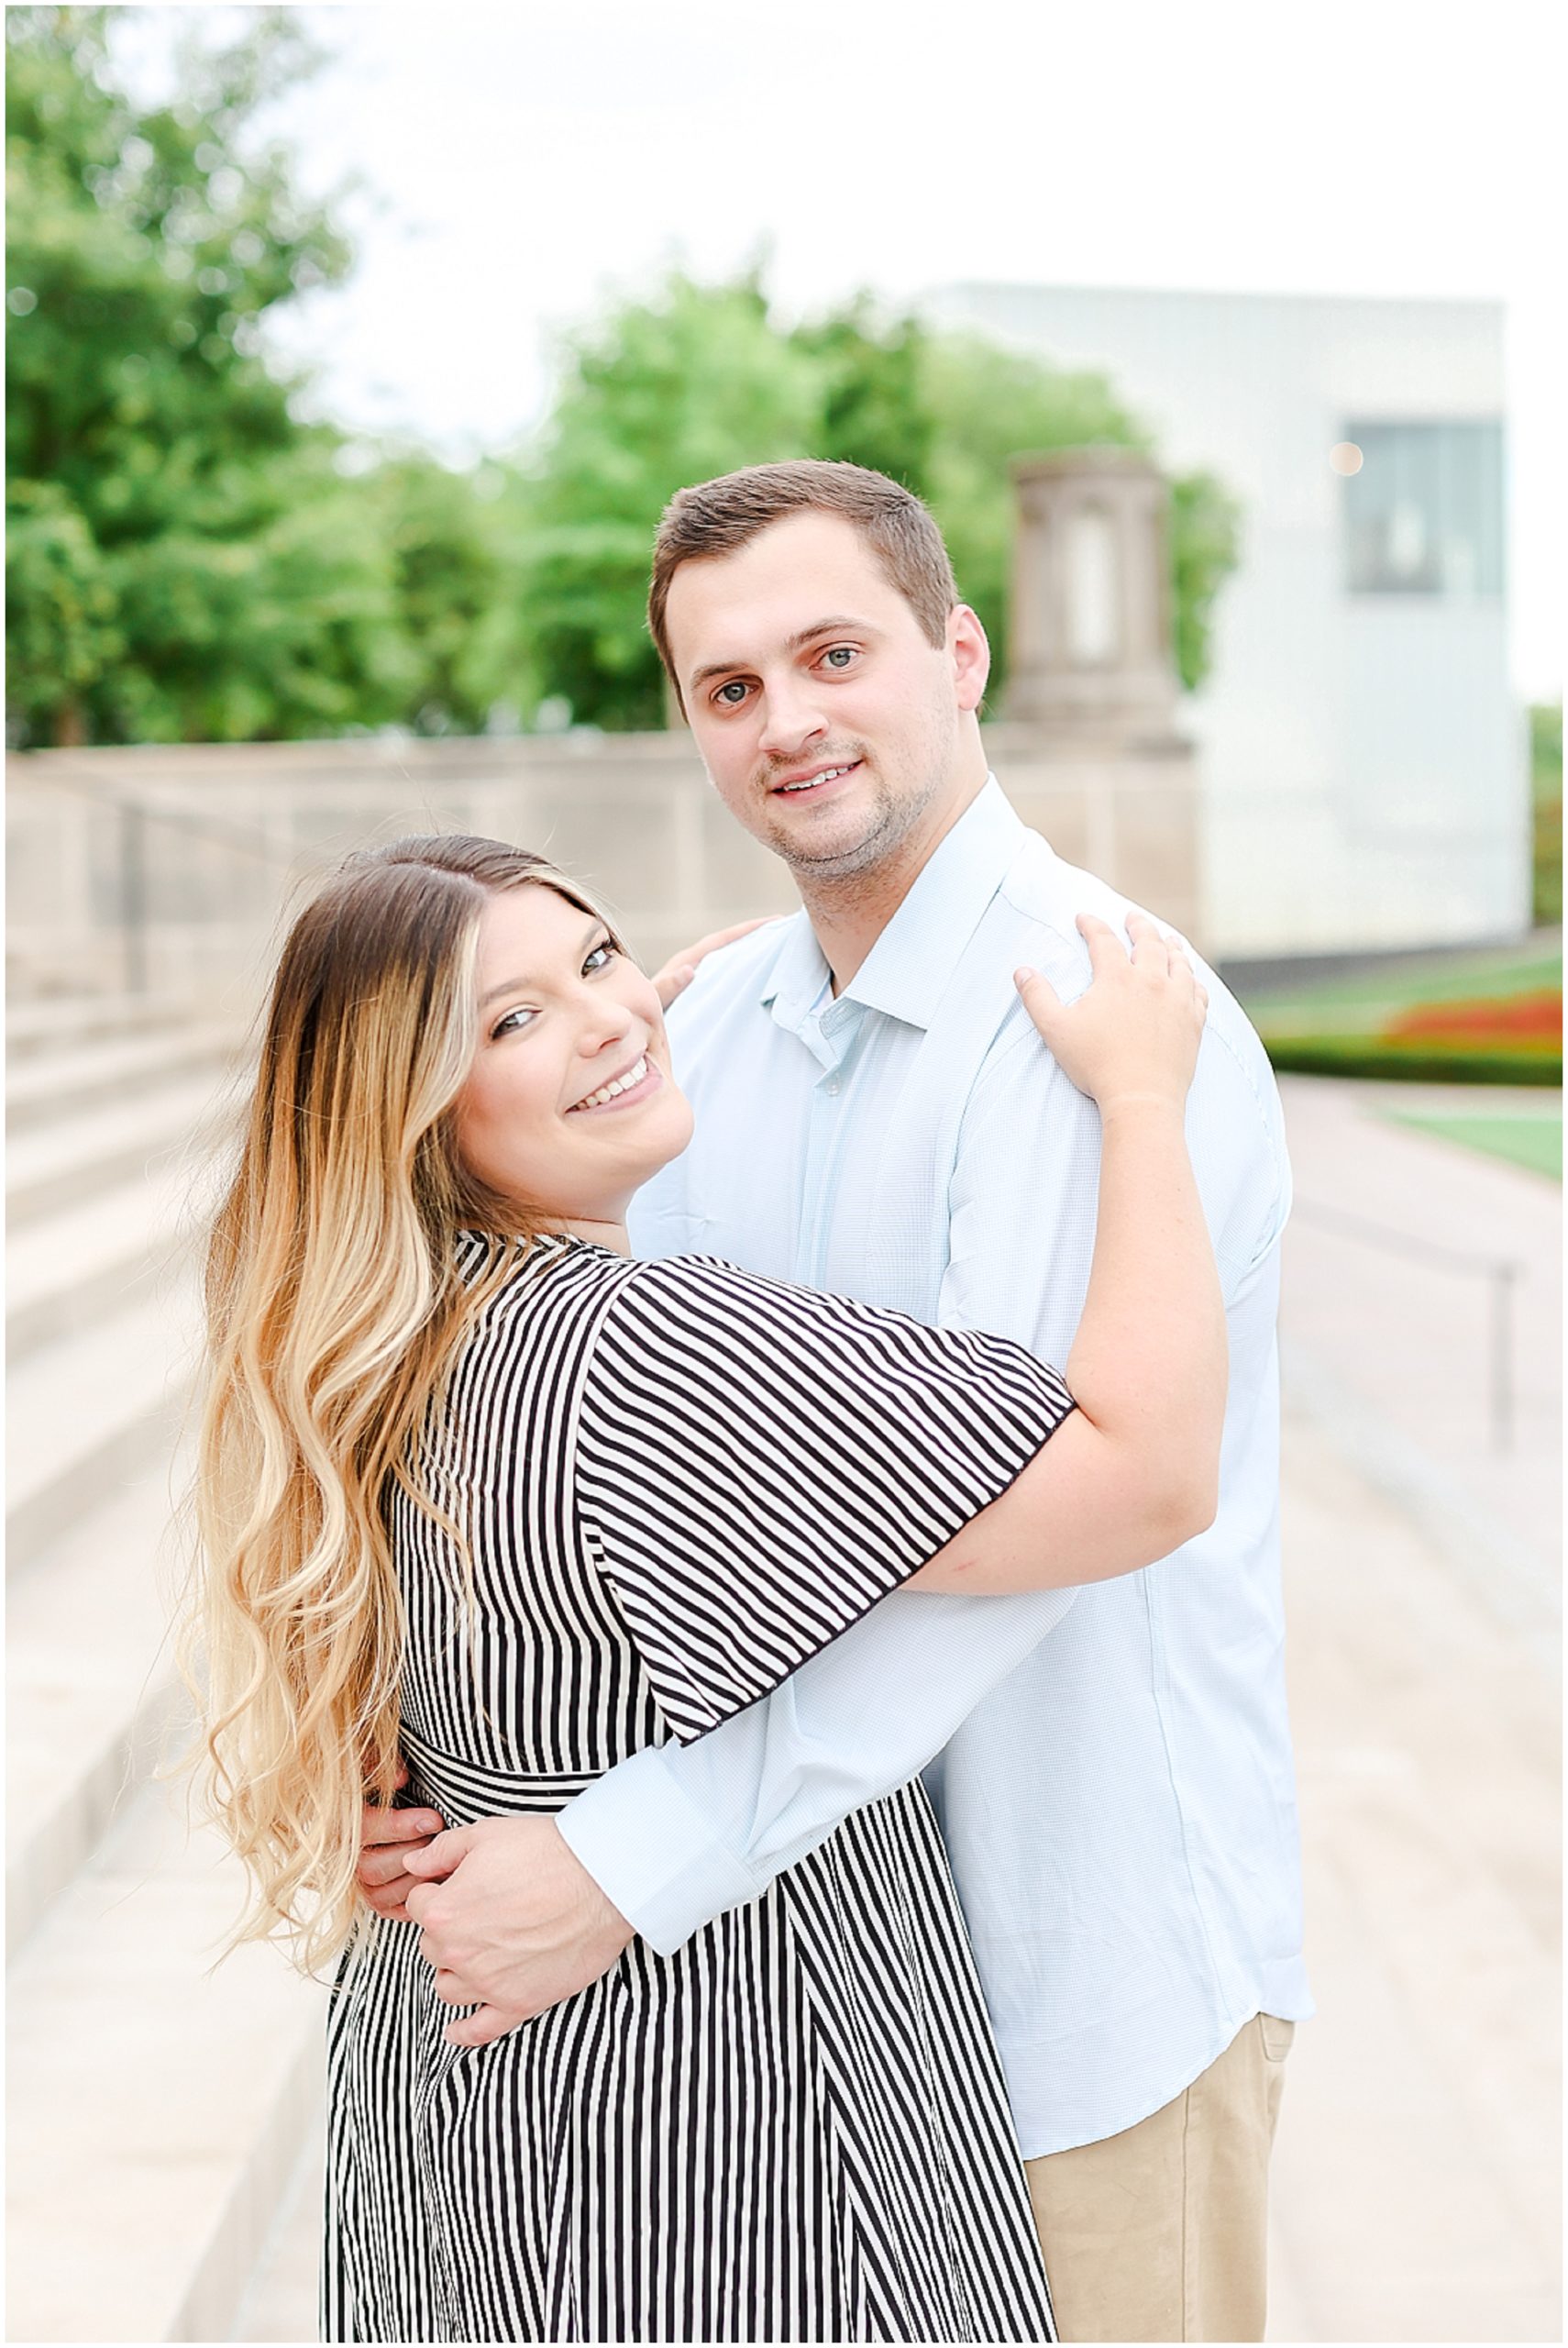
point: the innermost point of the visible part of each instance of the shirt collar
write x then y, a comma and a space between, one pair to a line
909, 969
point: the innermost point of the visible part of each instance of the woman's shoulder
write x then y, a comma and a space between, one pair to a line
685, 1282
673, 1302
517, 1275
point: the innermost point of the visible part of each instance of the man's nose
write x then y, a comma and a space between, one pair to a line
790, 717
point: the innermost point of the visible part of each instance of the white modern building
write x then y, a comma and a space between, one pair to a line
1363, 773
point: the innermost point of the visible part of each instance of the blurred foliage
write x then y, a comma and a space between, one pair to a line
873, 404
184, 562
694, 383
454, 579
702, 380
190, 558
1205, 541
1546, 798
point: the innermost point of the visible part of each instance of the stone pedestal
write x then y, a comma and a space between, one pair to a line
1090, 750
1090, 628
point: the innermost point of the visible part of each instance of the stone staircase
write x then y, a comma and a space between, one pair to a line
161, 2111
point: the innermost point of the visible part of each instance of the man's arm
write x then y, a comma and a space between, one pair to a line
520, 1913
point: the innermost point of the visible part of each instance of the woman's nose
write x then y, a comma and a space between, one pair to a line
606, 1025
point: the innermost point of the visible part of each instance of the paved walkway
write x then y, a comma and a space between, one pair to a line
1389, 1332
1417, 2180
1417, 2177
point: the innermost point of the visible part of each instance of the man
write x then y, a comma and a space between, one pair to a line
872, 1118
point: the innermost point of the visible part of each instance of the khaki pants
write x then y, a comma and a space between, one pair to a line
1162, 2232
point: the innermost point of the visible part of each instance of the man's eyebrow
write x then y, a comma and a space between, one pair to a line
834, 624
530, 986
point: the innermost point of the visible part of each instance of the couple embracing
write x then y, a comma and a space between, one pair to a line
634, 1454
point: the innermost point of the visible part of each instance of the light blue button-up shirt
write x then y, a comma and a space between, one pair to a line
1113, 1772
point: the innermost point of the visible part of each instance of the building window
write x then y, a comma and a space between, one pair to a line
1424, 509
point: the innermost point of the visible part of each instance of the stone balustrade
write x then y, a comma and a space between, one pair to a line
170, 870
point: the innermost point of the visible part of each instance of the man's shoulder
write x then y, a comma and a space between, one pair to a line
1043, 895
1042, 888
1047, 893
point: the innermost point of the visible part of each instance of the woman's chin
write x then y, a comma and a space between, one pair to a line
668, 1142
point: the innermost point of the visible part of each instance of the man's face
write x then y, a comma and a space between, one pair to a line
829, 723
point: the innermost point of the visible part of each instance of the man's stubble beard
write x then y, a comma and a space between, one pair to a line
852, 871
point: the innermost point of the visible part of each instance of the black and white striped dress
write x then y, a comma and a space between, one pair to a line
677, 1481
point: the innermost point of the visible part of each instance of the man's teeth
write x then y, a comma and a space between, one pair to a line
621, 1084
829, 774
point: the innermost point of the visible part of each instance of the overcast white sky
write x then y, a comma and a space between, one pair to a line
520, 162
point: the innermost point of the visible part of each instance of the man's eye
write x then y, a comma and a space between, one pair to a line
839, 656
731, 695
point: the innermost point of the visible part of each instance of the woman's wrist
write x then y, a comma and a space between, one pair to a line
1117, 1104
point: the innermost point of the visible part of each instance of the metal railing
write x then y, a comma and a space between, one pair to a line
1501, 1272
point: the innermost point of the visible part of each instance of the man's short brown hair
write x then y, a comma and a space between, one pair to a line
718, 516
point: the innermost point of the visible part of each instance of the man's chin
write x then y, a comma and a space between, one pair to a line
831, 856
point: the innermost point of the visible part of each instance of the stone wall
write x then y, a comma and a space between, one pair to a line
171, 870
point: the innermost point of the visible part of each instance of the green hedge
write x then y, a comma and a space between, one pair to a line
1415, 1064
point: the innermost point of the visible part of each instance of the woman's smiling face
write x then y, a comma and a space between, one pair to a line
569, 1105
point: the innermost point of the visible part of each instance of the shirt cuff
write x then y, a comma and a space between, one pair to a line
654, 1854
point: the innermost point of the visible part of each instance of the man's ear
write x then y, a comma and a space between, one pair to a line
970, 653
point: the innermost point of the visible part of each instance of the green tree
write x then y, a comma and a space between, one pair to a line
1205, 540
455, 567
186, 560
694, 382
871, 396
701, 379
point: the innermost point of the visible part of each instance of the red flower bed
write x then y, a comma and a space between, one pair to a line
1523, 1022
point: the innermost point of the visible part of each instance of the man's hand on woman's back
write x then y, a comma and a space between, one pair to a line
512, 1922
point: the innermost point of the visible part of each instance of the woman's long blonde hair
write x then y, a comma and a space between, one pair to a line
334, 1311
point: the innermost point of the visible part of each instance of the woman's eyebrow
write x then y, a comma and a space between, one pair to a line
527, 985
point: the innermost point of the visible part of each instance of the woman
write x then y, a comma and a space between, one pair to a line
480, 1493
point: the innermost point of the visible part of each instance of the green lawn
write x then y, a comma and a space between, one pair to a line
1524, 1138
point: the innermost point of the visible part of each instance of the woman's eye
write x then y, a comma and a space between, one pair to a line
839, 656
597, 959
512, 1023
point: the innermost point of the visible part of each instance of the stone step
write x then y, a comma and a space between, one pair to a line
171, 1125
94, 1701
53, 1021
49, 1085
88, 1413
158, 2105
82, 1266
282, 2298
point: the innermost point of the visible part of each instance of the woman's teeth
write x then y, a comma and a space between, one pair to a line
609, 1091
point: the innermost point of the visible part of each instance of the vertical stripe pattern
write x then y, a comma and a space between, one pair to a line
677, 1482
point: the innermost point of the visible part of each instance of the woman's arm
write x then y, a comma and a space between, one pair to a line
1134, 1472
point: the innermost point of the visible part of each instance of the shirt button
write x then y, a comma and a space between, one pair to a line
832, 1087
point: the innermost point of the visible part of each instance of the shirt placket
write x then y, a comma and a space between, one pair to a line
834, 1040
